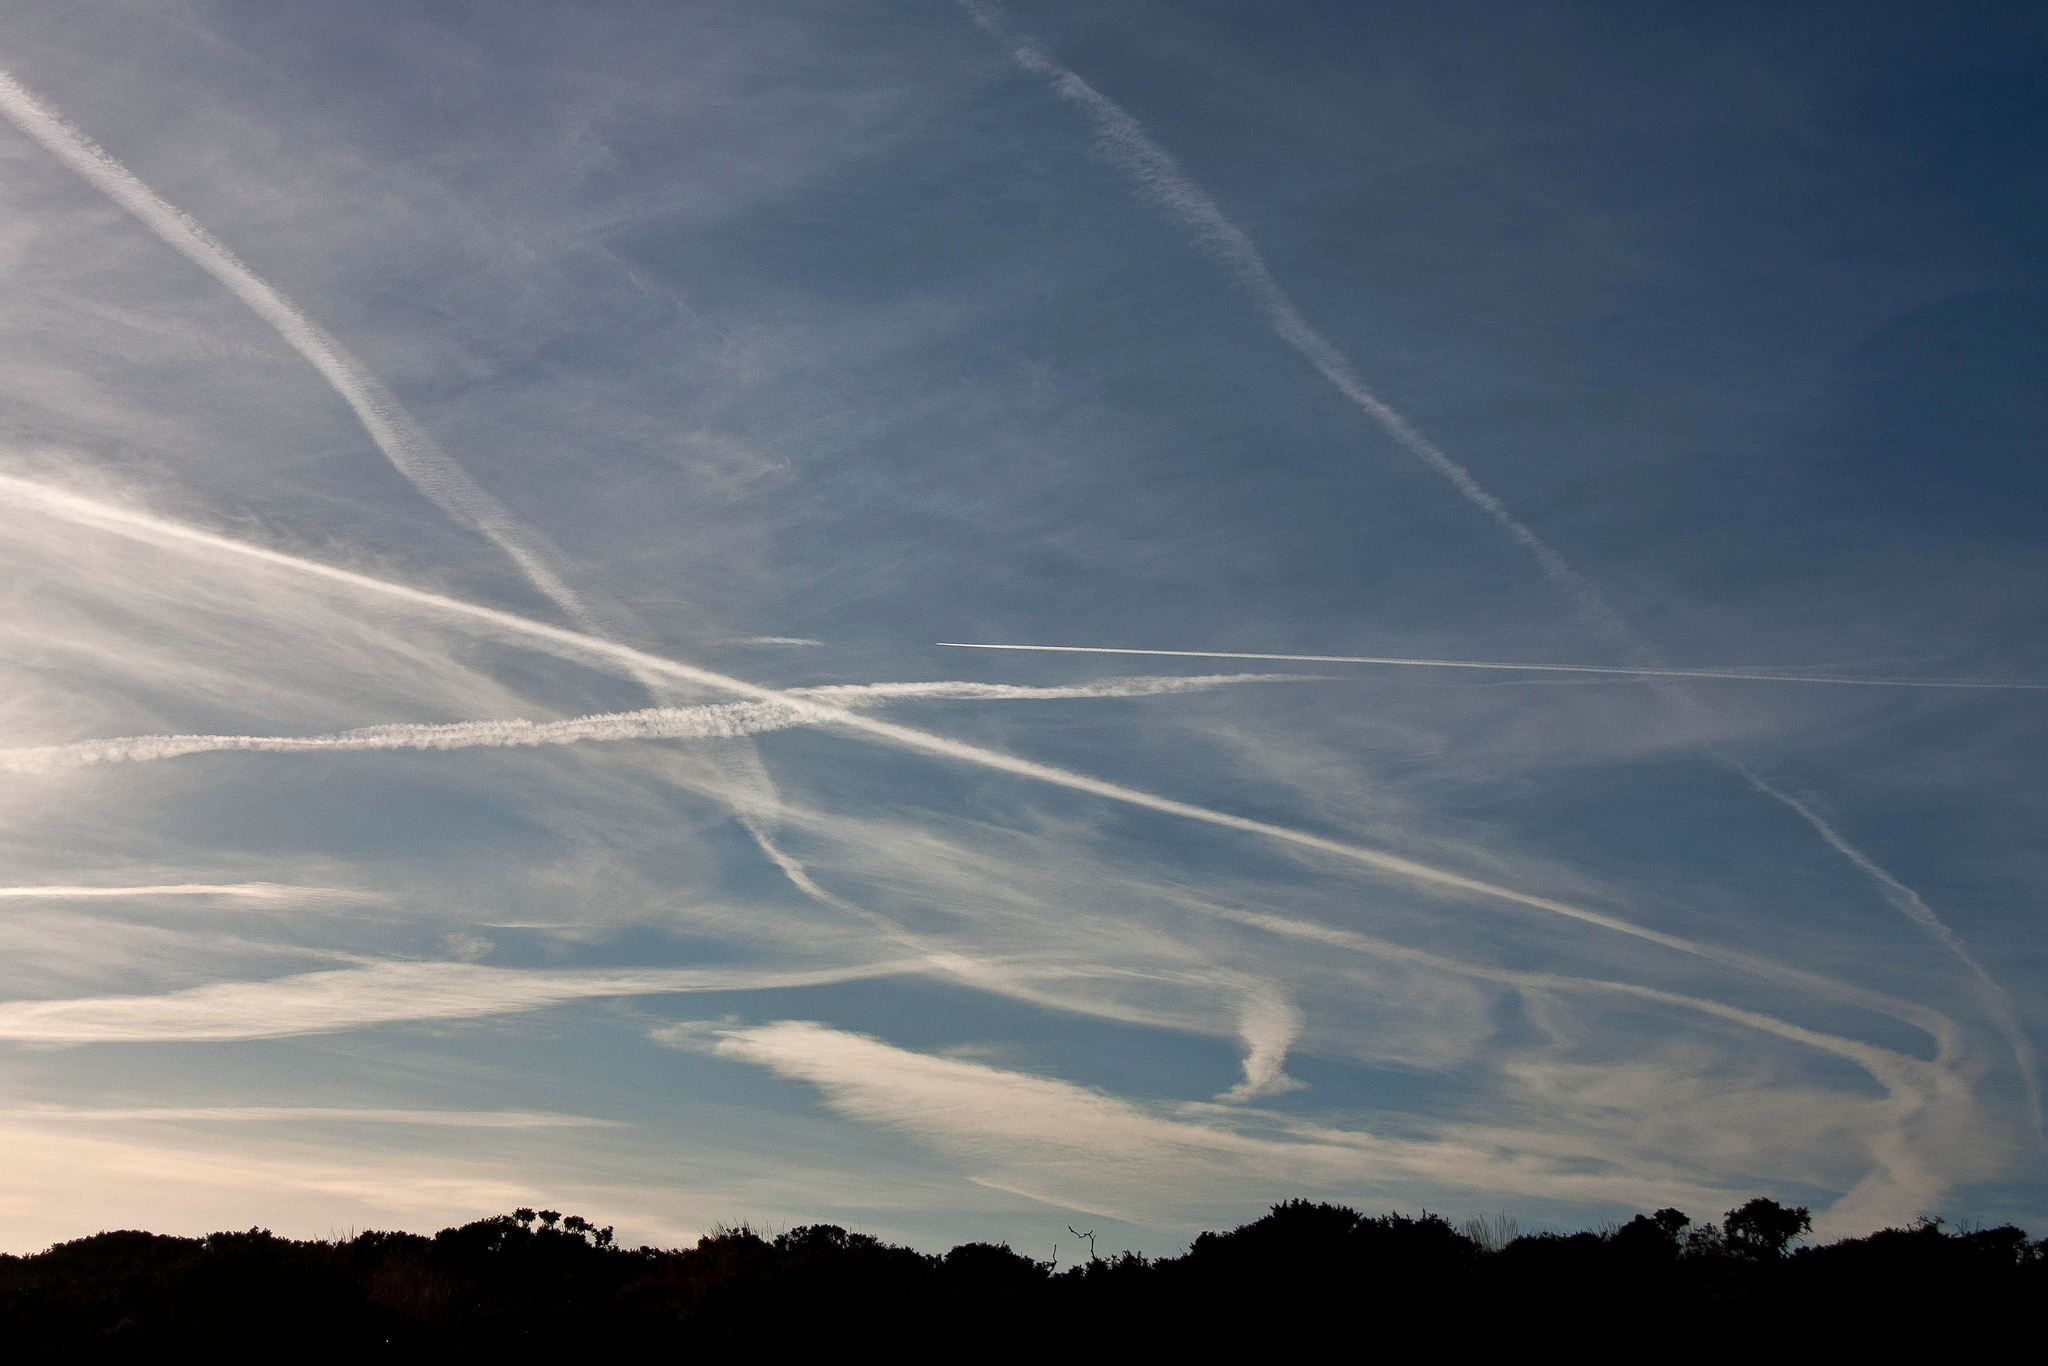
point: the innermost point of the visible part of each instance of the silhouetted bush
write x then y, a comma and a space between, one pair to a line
1296, 1276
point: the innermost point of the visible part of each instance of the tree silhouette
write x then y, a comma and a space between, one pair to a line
1653, 1235
1290, 1282
1762, 1228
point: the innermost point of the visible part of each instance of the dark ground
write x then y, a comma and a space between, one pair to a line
1304, 1276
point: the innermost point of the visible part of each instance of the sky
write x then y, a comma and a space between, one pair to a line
483, 488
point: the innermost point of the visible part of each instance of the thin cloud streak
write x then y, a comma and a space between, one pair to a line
659, 723
381, 993
305, 1114
1154, 685
589, 649
717, 721
1739, 675
1909, 903
270, 893
1160, 179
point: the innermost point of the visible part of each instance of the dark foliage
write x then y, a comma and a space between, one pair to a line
1298, 1276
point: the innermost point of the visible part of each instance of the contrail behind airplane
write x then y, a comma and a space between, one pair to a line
1740, 675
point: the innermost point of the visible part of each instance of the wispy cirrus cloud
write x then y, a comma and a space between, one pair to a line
1079, 1148
266, 893
779, 319
380, 993
300, 1114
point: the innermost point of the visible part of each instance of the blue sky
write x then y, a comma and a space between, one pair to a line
520, 366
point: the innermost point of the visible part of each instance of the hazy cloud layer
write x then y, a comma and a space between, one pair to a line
481, 495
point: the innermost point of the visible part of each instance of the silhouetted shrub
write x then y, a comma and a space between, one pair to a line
1762, 1228
1648, 1237
1295, 1276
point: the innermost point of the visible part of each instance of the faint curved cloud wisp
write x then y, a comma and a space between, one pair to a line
1902, 1183
1996, 1000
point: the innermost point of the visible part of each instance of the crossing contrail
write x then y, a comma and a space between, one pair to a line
1996, 1000
1160, 179
1739, 675
583, 647
411, 451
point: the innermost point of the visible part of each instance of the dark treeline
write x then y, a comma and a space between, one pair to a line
1658, 1283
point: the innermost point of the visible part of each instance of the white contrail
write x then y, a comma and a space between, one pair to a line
1909, 903
275, 892
657, 723
1159, 178
415, 454
411, 451
1740, 675
595, 650
873, 694
403, 441
718, 721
